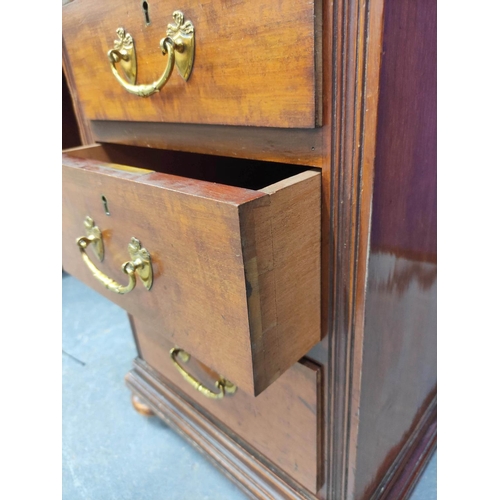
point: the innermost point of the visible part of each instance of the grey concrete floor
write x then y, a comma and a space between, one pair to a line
110, 451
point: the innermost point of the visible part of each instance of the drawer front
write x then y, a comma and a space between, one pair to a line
236, 278
255, 62
282, 423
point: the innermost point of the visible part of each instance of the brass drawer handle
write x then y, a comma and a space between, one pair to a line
222, 384
140, 262
178, 45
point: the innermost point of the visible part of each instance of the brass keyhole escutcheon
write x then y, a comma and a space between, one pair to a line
145, 10
105, 205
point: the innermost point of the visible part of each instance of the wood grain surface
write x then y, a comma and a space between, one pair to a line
256, 63
282, 423
401, 299
236, 270
239, 462
294, 146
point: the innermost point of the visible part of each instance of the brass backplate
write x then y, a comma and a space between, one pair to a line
182, 35
94, 233
142, 261
126, 49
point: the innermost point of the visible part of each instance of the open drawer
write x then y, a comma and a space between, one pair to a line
234, 249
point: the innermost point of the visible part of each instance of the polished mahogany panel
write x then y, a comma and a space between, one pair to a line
400, 323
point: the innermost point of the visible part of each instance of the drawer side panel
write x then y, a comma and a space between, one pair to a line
281, 238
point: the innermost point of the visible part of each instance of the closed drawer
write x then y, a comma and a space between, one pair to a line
256, 63
282, 423
236, 262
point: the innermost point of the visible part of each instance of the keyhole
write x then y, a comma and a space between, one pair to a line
145, 9
105, 204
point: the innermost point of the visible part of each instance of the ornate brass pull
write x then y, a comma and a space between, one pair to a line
224, 386
178, 45
140, 262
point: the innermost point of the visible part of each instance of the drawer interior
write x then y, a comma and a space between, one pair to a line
249, 174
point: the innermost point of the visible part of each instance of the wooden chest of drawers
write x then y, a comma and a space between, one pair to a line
267, 217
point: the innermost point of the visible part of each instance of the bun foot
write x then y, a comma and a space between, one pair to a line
141, 407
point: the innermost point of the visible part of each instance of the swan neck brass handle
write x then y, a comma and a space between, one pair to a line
178, 45
225, 387
149, 89
140, 262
